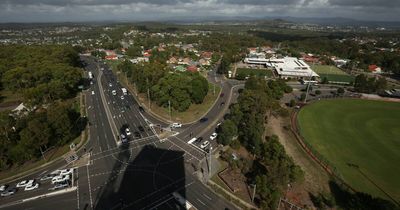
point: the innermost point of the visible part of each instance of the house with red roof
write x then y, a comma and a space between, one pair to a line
374, 69
192, 68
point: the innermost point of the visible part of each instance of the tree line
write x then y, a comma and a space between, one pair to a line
272, 169
166, 87
48, 78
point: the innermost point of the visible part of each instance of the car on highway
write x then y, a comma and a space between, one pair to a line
176, 125
114, 92
222, 104
204, 119
9, 192
60, 186
24, 183
141, 109
219, 124
213, 136
128, 132
32, 186
66, 171
141, 129
198, 140
137, 134
60, 178
3, 187
204, 144
222, 95
123, 138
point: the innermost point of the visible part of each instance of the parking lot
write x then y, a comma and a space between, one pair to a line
40, 185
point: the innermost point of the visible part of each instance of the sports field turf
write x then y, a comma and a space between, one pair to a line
360, 132
256, 72
332, 73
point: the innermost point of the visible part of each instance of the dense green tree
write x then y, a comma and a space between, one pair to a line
227, 131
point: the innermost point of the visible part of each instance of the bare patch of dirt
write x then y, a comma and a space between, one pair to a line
315, 178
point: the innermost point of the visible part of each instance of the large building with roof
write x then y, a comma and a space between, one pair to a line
291, 67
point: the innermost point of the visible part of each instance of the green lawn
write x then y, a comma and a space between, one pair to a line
361, 132
257, 72
332, 73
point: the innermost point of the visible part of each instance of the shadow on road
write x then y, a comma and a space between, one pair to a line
142, 180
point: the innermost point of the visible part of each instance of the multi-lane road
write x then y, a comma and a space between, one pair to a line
140, 174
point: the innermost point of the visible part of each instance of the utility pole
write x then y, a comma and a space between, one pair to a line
148, 92
214, 89
209, 164
254, 193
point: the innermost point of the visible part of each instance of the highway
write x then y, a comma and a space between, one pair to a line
140, 174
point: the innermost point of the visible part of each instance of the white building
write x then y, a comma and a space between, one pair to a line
291, 67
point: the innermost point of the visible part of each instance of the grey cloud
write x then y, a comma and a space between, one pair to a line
366, 3
261, 2
91, 2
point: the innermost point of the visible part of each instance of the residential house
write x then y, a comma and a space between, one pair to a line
192, 68
374, 69
172, 60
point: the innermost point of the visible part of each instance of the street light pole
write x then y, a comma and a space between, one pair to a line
254, 193
209, 164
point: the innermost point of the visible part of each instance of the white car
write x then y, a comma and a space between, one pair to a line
213, 136
122, 97
128, 132
110, 84
47, 177
32, 186
24, 183
60, 179
219, 123
92, 92
114, 92
204, 144
176, 125
66, 171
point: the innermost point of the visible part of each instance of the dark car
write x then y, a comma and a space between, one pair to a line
222, 104
137, 134
198, 140
204, 119
141, 109
141, 129
222, 95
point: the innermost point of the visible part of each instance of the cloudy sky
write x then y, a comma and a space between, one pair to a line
139, 10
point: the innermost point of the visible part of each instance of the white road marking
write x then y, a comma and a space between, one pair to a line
207, 197
77, 193
90, 190
200, 201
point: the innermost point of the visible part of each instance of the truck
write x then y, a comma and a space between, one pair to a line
124, 91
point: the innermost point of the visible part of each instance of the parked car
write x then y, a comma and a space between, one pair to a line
213, 136
66, 171
9, 192
3, 187
92, 92
204, 144
176, 125
110, 84
122, 97
198, 140
60, 178
24, 183
128, 132
114, 92
32, 186
141, 109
